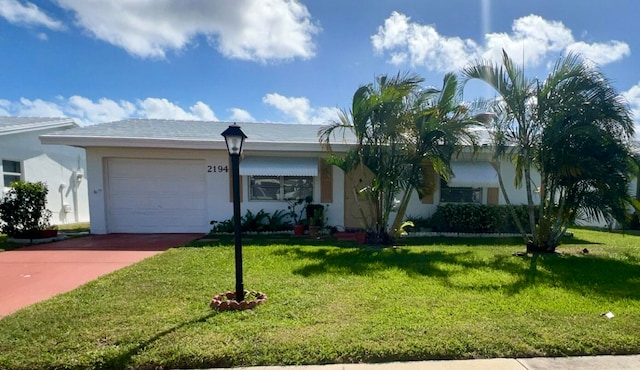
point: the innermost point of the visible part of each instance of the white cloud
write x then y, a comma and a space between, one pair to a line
86, 111
240, 115
162, 108
103, 110
201, 111
27, 14
258, 30
601, 53
532, 37
4, 106
39, 108
299, 108
633, 98
324, 115
421, 45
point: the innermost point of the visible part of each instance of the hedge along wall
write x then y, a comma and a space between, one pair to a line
476, 218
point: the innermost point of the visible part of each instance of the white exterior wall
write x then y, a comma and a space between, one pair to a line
516, 195
217, 200
56, 166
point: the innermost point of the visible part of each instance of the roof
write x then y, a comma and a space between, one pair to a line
156, 133
17, 125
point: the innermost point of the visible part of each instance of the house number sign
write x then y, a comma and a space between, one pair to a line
218, 168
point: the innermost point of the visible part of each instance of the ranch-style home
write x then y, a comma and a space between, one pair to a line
61, 168
169, 176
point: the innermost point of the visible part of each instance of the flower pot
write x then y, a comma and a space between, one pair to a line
298, 230
49, 233
313, 231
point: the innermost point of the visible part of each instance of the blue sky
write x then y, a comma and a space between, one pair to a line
282, 60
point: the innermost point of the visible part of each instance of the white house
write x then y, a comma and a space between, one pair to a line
61, 168
168, 176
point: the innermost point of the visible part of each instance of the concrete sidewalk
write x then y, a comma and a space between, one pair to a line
628, 362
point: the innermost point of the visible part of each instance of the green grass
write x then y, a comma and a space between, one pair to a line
5, 245
442, 298
72, 228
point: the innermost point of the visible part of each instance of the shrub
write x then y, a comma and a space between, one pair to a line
633, 223
260, 221
277, 221
474, 218
254, 221
22, 209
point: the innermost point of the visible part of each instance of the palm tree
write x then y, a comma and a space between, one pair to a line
400, 128
574, 130
439, 126
516, 92
377, 119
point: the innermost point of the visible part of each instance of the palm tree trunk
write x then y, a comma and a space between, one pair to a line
530, 205
512, 211
402, 209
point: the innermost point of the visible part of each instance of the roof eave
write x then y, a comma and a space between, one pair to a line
19, 129
86, 142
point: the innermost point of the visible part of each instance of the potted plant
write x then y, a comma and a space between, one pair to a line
296, 210
315, 215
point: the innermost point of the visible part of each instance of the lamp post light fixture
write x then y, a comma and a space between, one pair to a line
234, 138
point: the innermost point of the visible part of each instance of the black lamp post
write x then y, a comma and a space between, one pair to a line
234, 138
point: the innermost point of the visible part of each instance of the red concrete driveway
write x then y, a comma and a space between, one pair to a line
35, 273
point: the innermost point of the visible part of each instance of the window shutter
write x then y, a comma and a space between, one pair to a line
231, 183
326, 181
493, 195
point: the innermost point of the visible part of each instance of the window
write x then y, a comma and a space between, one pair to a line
459, 194
11, 171
280, 187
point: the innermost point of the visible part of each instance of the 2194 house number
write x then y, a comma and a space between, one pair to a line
218, 168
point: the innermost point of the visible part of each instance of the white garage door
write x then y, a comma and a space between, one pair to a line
155, 196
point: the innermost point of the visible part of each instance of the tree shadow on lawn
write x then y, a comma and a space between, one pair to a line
586, 274
122, 359
479, 241
325, 240
366, 261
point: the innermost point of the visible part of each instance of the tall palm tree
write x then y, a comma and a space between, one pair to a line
574, 130
439, 126
517, 128
377, 119
584, 151
399, 128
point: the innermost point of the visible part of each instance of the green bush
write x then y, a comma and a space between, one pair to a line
633, 223
260, 221
474, 218
23, 210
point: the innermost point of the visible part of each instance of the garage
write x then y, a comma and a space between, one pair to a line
155, 195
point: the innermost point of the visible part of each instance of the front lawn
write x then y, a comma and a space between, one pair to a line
442, 299
5, 245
